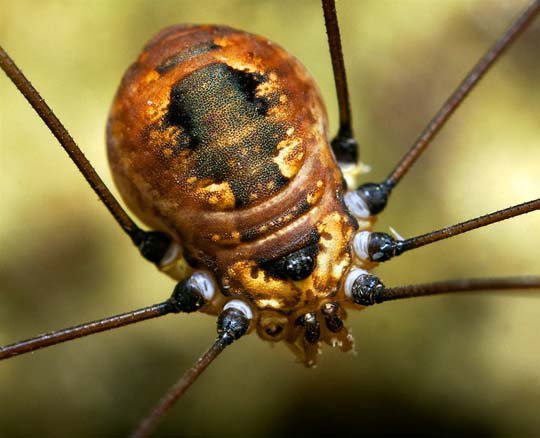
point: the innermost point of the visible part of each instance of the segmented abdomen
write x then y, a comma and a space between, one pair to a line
219, 137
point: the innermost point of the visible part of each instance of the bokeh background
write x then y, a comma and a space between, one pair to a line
467, 364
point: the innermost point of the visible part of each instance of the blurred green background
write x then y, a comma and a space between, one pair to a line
466, 364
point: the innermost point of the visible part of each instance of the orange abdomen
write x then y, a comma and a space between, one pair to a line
209, 131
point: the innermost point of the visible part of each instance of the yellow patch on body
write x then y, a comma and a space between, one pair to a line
217, 196
239, 65
264, 291
151, 76
221, 41
314, 196
333, 258
155, 111
268, 303
290, 156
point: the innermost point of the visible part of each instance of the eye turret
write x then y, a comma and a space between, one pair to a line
295, 266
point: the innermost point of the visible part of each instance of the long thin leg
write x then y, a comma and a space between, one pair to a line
462, 285
188, 296
380, 247
79, 331
463, 227
177, 390
232, 325
448, 108
151, 243
461, 92
367, 289
344, 145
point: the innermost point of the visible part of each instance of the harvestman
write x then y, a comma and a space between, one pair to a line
368, 199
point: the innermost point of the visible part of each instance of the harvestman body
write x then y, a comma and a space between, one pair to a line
218, 141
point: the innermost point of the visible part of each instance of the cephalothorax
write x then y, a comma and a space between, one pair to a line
219, 138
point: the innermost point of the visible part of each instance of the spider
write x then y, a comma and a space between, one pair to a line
419, 220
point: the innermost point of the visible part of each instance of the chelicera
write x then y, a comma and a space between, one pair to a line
214, 161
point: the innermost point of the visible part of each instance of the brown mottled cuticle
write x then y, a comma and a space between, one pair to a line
219, 137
